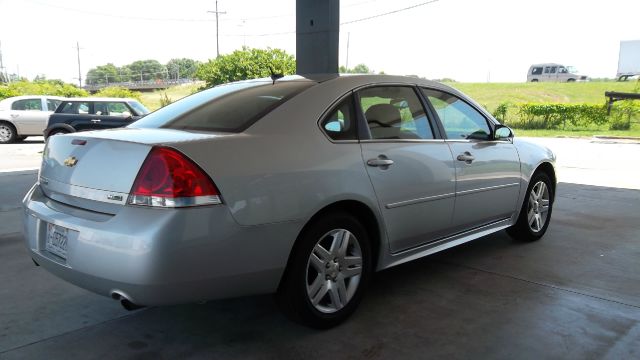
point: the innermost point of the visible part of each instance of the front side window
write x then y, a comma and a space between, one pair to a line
394, 112
553, 69
118, 109
28, 105
459, 119
74, 107
340, 124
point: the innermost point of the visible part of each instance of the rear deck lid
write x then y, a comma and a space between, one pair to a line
96, 170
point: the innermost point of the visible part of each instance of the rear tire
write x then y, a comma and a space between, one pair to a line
8, 133
328, 271
534, 80
535, 214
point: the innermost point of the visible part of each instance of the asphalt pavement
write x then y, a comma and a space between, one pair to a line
573, 295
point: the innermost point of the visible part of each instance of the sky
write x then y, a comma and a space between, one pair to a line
465, 40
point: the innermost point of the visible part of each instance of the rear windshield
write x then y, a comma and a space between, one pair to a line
225, 108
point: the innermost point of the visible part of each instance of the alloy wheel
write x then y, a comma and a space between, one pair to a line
334, 270
538, 209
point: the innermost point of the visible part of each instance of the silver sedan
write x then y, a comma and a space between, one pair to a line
302, 186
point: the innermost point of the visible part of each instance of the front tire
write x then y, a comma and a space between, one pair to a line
58, 132
535, 214
8, 133
327, 273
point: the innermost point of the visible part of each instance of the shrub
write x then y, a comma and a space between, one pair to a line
500, 113
554, 116
41, 87
622, 113
165, 99
118, 92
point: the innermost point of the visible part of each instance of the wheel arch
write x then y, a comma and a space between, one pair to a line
66, 127
548, 169
357, 209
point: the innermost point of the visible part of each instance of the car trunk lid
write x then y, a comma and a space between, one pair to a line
96, 170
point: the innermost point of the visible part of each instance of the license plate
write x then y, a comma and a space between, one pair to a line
57, 239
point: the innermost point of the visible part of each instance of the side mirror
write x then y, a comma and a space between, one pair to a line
502, 132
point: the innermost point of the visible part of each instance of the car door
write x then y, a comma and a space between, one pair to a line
111, 114
28, 115
79, 114
410, 168
487, 170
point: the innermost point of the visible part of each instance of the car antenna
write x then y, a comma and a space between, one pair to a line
275, 76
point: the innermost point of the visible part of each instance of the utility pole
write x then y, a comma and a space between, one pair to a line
3, 70
347, 64
79, 71
217, 28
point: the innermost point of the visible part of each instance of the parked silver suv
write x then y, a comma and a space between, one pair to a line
23, 116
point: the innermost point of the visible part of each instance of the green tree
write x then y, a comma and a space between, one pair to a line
358, 69
248, 63
103, 74
147, 70
182, 68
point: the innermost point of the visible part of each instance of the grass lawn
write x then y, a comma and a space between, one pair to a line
152, 99
491, 95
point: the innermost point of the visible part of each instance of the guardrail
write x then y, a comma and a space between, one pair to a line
140, 85
617, 96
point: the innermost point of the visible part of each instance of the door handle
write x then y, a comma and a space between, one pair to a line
466, 157
95, 120
382, 162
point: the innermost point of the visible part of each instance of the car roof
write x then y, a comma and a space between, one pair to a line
21, 97
356, 80
99, 99
547, 64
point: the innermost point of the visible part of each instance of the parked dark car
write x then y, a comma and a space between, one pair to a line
83, 114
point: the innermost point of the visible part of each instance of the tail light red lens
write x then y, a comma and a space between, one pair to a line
168, 178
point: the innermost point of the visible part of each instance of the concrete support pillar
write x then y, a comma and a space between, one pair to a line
317, 36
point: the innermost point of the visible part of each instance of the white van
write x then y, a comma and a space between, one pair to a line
553, 72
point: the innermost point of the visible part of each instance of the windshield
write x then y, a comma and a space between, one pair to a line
227, 108
572, 69
139, 108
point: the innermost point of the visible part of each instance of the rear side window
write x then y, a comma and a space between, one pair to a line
73, 107
340, 124
27, 104
227, 108
536, 71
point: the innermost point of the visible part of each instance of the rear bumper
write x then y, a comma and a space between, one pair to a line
160, 256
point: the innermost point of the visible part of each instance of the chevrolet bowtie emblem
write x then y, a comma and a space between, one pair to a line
70, 161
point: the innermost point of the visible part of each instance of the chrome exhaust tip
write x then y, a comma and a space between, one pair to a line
125, 302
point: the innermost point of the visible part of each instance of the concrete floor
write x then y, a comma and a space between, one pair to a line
575, 294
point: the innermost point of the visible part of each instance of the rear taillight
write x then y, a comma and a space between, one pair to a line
167, 178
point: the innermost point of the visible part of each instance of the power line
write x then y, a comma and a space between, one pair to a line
389, 12
346, 22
